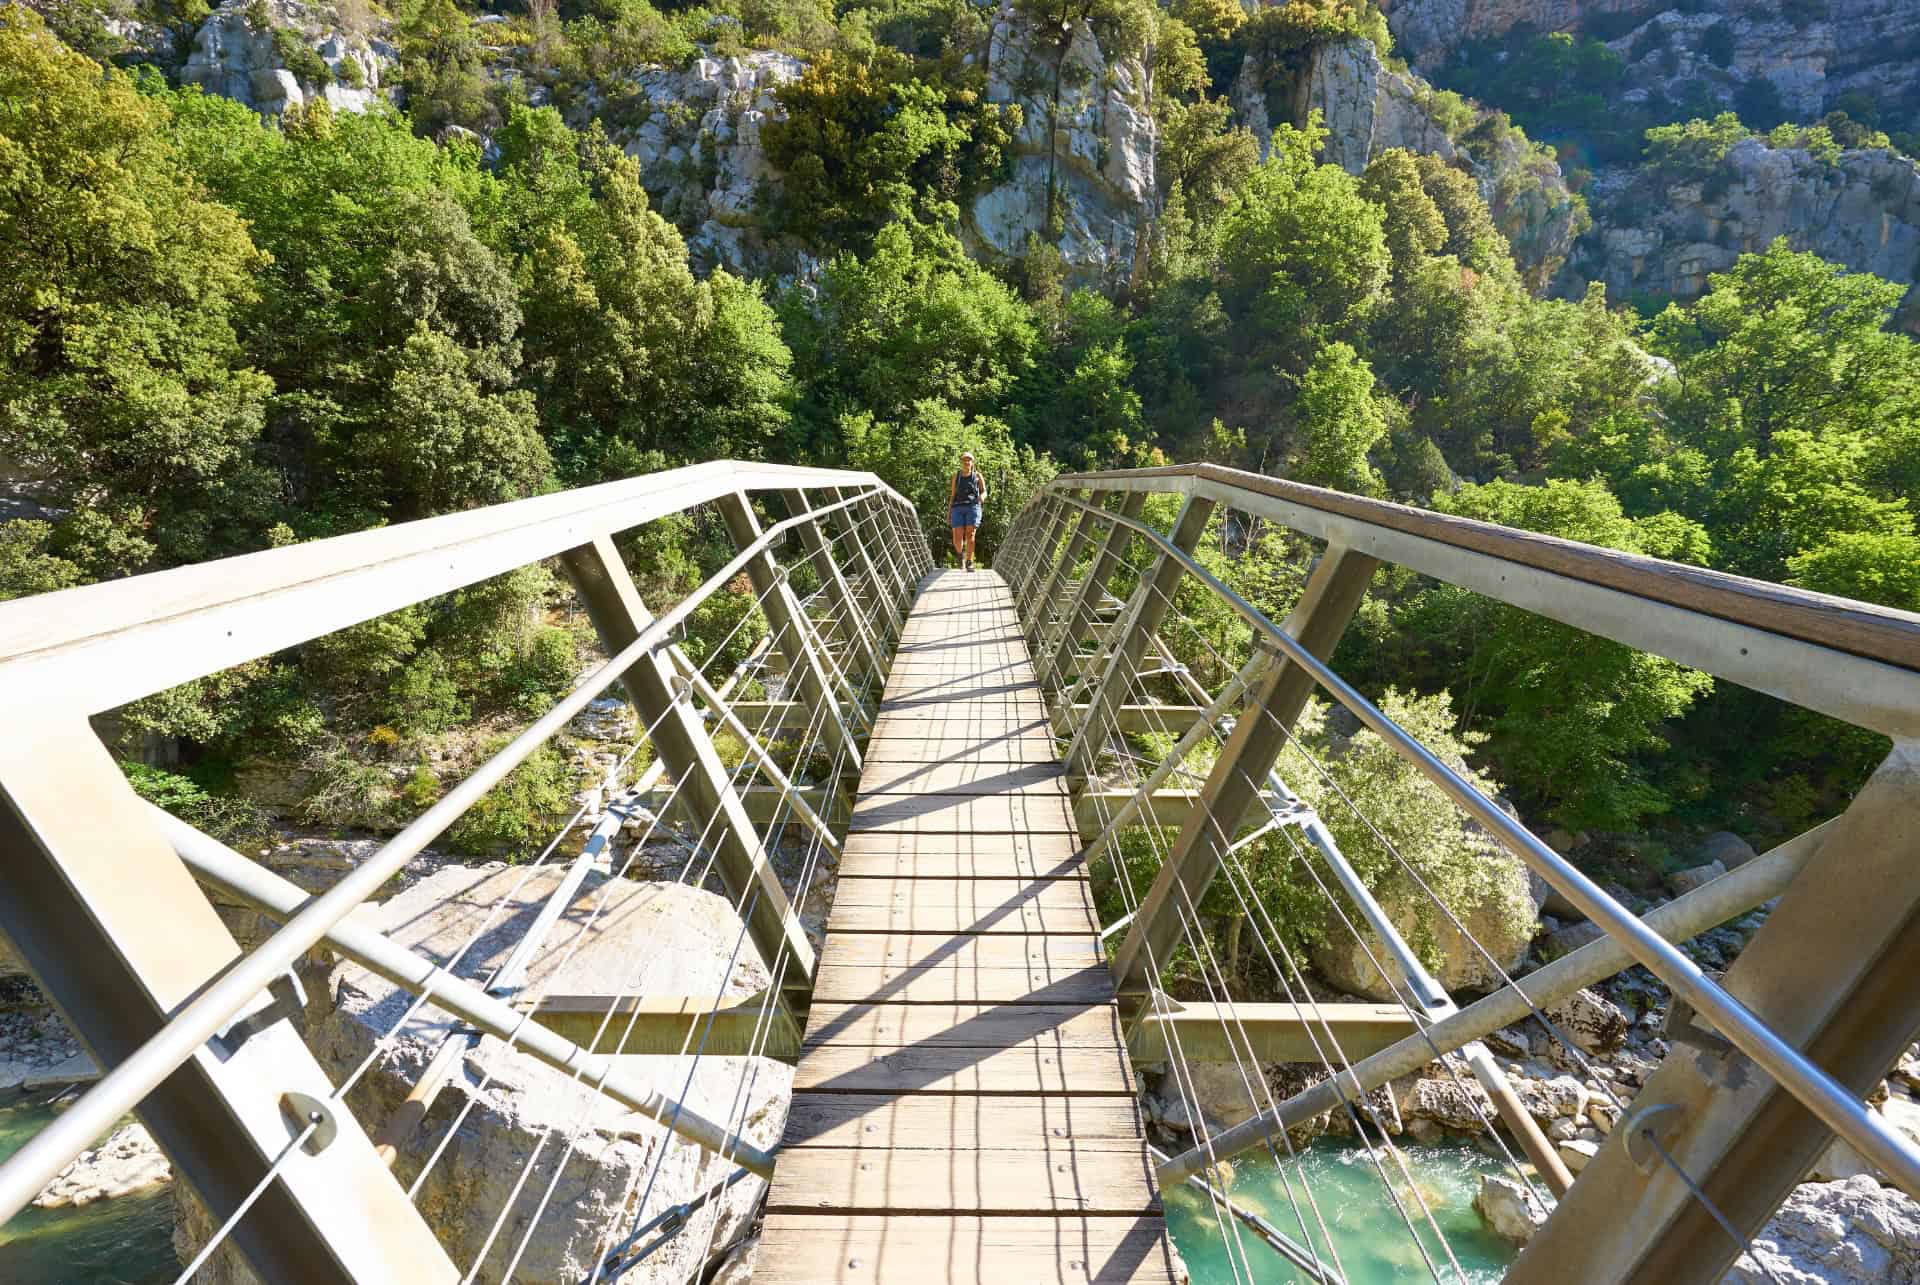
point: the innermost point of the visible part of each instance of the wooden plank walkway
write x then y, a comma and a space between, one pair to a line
963, 1109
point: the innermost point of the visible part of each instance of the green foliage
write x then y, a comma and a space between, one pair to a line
859, 149
1692, 151
442, 67
232, 820
520, 812
120, 372
916, 321
1279, 30
1302, 252
1340, 420
301, 58
25, 565
1571, 716
1716, 43
1408, 842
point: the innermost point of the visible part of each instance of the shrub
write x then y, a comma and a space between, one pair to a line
522, 810
546, 666
423, 699
348, 791
235, 821
300, 58
1716, 44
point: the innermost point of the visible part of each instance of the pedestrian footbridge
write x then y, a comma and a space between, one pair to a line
977, 831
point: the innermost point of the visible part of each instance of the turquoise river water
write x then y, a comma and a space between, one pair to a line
1368, 1234
126, 1241
114, 1242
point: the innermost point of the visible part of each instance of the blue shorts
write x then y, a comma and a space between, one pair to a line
966, 515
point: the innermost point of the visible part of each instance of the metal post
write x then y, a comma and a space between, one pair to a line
885, 596
1043, 609
741, 855
792, 628
839, 592
1065, 644
119, 936
1233, 787
1034, 574
1142, 620
898, 582
1832, 973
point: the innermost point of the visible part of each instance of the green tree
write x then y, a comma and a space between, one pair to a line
1340, 421
121, 377
915, 321
1413, 226
1571, 717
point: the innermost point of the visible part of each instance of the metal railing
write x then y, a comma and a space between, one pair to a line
1768, 1064
98, 890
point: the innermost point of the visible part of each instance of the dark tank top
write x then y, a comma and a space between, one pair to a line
966, 487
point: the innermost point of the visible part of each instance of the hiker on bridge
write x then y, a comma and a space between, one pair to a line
968, 496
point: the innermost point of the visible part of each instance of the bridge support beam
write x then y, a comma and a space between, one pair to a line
119, 936
792, 630
1064, 647
1233, 787
1037, 563
861, 530
853, 625
1039, 624
614, 606
1134, 630
1831, 971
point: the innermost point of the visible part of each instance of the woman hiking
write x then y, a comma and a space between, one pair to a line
964, 504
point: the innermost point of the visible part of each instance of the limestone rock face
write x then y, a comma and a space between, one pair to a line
1090, 147
503, 1114
1854, 1230
700, 153
1368, 108
232, 59
1655, 235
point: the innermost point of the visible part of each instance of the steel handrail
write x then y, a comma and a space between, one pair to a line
1819, 1092
24, 1174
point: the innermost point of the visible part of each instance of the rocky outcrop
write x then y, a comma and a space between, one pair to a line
700, 153
1085, 148
1854, 1231
236, 59
1813, 60
128, 1161
1508, 1208
1368, 108
1086, 152
1662, 235
499, 1105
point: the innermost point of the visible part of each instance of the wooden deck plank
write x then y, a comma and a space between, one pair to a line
1022, 1070
820, 1179
963, 814
838, 1249
964, 1084
966, 776
886, 1121
969, 901
964, 1025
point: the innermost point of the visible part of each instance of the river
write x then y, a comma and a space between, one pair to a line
1368, 1234
113, 1242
